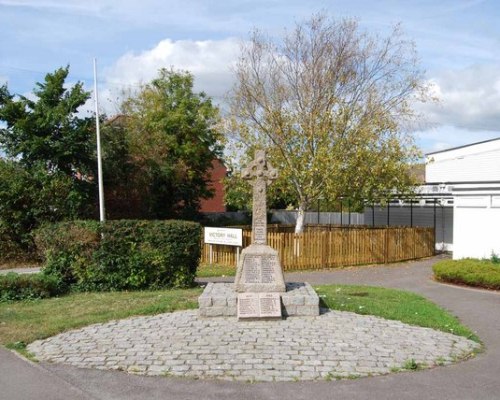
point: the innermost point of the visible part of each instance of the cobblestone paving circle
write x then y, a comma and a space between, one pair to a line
330, 346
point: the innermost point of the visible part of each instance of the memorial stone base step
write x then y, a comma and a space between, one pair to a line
220, 300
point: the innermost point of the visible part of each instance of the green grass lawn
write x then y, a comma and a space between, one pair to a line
392, 304
212, 270
26, 321
471, 272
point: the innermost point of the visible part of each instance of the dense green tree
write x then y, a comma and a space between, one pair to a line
330, 103
48, 129
48, 173
172, 137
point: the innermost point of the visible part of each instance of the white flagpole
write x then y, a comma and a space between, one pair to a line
102, 216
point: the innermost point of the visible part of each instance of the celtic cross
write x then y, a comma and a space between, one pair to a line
263, 173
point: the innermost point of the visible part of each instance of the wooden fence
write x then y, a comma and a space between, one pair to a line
332, 247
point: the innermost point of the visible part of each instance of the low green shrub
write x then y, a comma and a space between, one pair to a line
121, 255
15, 249
29, 197
472, 272
28, 287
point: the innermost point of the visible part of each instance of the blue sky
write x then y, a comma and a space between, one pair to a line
458, 42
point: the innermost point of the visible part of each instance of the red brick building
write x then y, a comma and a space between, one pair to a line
216, 203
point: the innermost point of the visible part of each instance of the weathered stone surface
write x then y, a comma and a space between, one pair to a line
299, 299
261, 173
259, 305
332, 345
259, 270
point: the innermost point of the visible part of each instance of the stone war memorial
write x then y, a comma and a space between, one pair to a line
257, 329
259, 290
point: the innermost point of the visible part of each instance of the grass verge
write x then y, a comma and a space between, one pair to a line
25, 321
392, 304
471, 272
213, 270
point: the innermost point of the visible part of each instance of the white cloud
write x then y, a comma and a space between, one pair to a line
469, 99
209, 61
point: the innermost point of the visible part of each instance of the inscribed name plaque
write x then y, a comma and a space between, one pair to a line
259, 271
260, 268
259, 305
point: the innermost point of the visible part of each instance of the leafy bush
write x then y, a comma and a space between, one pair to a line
12, 251
473, 272
28, 198
121, 255
28, 287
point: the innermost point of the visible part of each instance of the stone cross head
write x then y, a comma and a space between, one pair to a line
260, 168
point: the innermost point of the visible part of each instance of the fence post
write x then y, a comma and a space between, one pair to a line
435, 235
388, 213
349, 208
341, 212
411, 214
386, 250
319, 202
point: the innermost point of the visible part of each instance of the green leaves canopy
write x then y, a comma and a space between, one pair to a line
48, 129
51, 150
173, 137
330, 105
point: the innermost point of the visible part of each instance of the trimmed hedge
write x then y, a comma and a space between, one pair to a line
121, 255
28, 287
472, 272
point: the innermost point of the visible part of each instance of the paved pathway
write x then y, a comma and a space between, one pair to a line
474, 379
332, 345
23, 270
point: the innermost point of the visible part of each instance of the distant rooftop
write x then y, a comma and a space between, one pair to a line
461, 147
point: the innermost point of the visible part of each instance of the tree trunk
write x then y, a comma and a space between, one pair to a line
299, 225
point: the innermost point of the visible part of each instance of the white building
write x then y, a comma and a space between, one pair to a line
472, 174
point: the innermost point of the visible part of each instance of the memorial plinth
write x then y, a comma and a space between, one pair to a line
220, 300
259, 290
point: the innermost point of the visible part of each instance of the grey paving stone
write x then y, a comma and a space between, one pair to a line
333, 344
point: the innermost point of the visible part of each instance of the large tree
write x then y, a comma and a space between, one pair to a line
48, 128
330, 103
172, 137
50, 157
